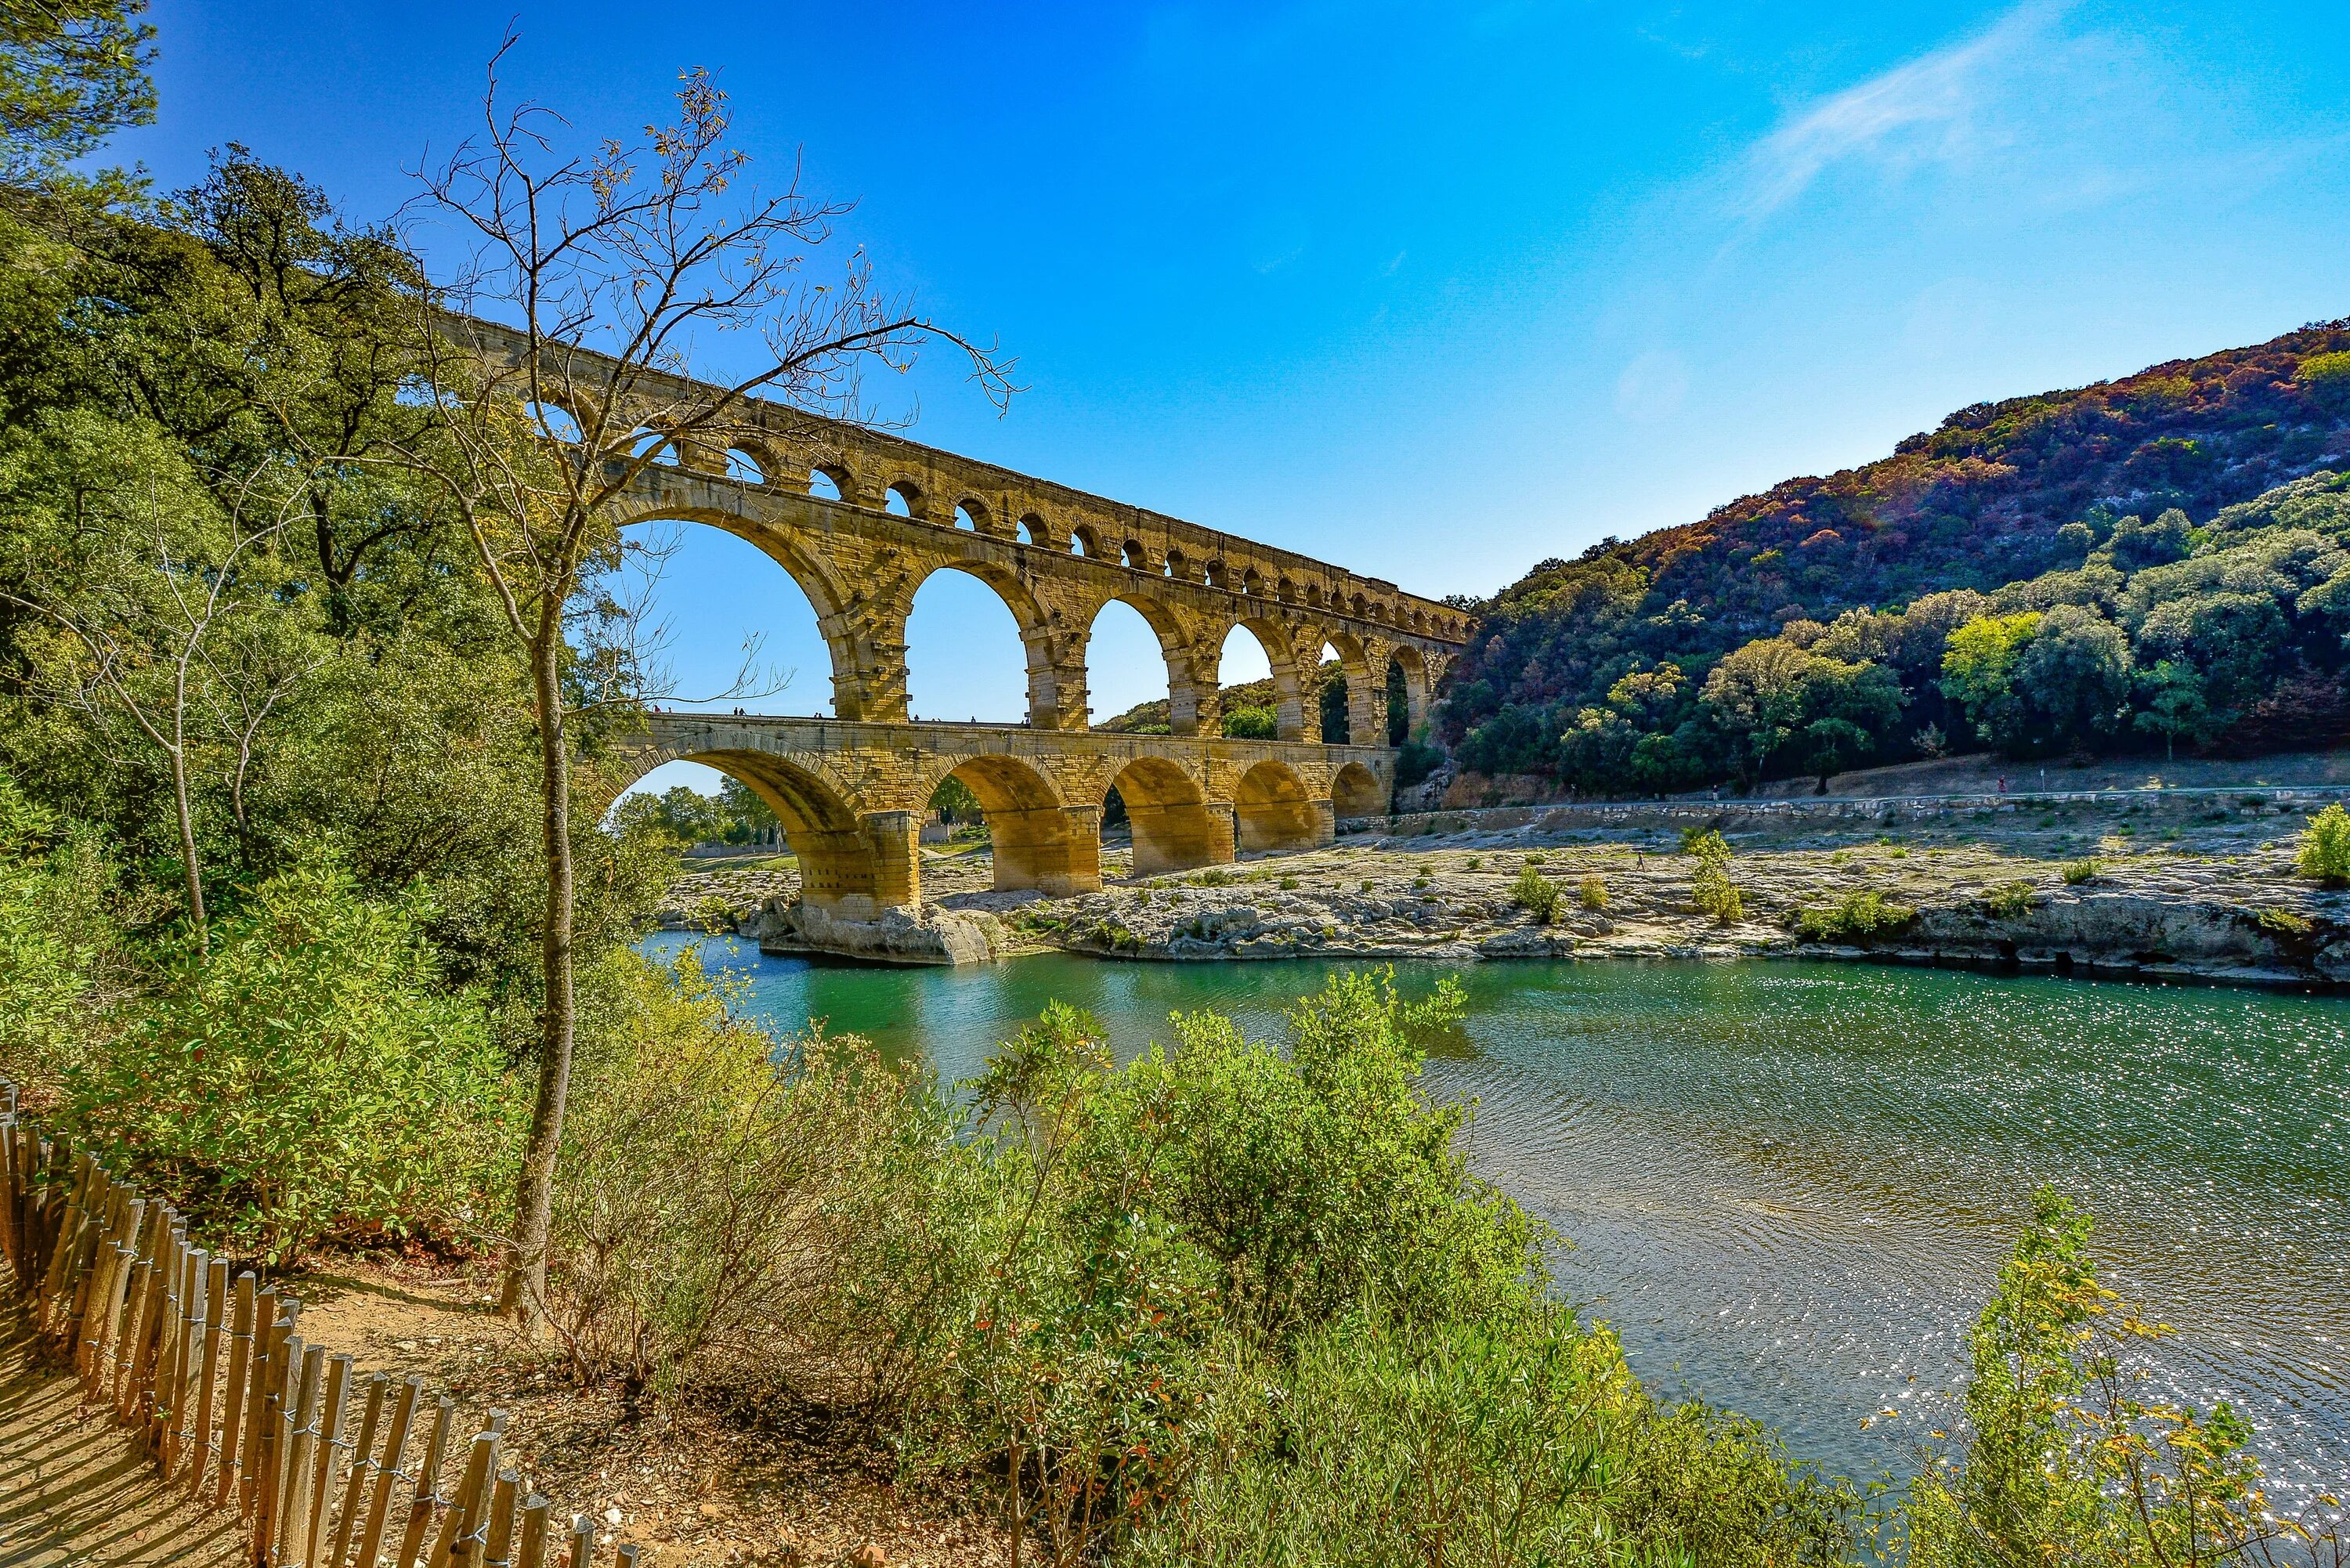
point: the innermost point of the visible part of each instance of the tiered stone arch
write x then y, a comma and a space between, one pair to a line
1272, 810
1356, 790
1039, 840
1175, 827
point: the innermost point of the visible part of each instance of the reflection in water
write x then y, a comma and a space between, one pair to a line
1789, 1186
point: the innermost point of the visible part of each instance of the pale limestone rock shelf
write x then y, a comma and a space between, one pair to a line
2207, 896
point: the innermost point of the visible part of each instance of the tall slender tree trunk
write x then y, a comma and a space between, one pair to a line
526, 1282
189, 870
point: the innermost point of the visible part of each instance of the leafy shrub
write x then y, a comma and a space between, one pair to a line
1860, 914
1536, 894
724, 1203
1202, 1207
1415, 761
1593, 894
1475, 861
2079, 872
308, 1078
2284, 922
1705, 842
1712, 892
1392, 1446
2326, 846
1252, 723
2065, 1459
67, 972
1289, 884
2009, 900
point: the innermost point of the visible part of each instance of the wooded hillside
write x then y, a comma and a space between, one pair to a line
1670, 660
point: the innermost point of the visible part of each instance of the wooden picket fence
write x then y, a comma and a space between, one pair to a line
214, 1383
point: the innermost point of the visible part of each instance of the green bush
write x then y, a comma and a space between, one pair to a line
66, 972
2009, 900
1712, 892
1153, 1226
1593, 894
2064, 1459
1536, 894
724, 1203
2283, 921
2079, 872
1392, 1446
1252, 723
308, 1078
2326, 846
1860, 914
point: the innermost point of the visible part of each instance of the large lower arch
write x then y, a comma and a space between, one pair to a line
1272, 810
851, 868
1038, 842
1174, 828
1356, 790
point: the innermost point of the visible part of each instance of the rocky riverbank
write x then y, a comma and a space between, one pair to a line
2107, 888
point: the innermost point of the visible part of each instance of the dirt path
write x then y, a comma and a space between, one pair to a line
74, 1491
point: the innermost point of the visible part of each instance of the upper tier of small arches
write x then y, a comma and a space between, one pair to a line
943, 491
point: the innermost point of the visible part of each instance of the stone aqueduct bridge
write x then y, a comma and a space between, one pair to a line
850, 791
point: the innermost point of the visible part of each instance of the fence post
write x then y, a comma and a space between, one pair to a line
428, 1480
389, 1473
232, 1404
362, 1462
331, 1444
217, 1319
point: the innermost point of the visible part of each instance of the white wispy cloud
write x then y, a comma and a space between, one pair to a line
1937, 107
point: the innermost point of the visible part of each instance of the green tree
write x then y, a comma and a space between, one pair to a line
1757, 694
1833, 744
72, 73
2175, 704
152, 612
1978, 667
2074, 676
954, 802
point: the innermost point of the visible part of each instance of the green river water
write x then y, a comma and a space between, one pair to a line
1788, 1184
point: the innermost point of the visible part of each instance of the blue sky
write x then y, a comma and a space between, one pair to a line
1435, 291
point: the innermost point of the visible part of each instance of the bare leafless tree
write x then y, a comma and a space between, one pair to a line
608, 274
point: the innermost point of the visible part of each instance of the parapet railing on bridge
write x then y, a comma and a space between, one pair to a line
211, 1379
